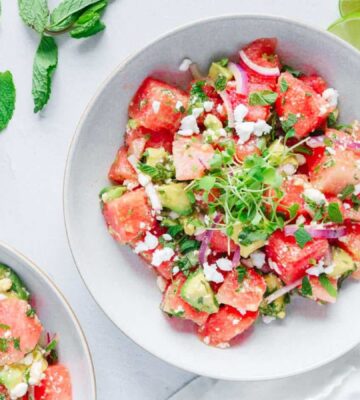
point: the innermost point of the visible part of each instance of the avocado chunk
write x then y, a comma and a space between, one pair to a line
277, 152
155, 156
245, 251
198, 293
174, 197
110, 193
343, 263
17, 288
277, 307
217, 70
12, 376
212, 122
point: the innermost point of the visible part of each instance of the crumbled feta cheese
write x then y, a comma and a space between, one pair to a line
161, 283
206, 340
156, 106
18, 391
224, 264
244, 130
7, 334
144, 179
267, 319
159, 218
357, 189
240, 112
178, 105
288, 169
188, 126
175, 270
347, 206
173, 215
330, 150
196, 112
153, 196
166, 237
206, 220
220, 108
5, 284
185, 64
323, 110
315, 195
130, 185
162, 255
261, 128
36, 373
331, 96
274, 266
319, 269
208, 105
258, 258
28, 359
222, 132
212, 274
300, 159
150, 243
300, 220
142, 225
223, 345
235, 321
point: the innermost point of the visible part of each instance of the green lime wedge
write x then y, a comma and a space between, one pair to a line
347, 7
348, 29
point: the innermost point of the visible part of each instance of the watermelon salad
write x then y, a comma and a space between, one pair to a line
239, 191
28, 358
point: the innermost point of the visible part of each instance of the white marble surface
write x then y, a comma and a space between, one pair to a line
33, 154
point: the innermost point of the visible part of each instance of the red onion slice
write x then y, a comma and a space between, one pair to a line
258, 68
317, 141
354, 146
236, 257
282, 291
227, 104
246, 263
241, 78
206, 241
318, 231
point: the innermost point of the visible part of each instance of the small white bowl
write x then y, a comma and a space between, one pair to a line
57, 317
311, 335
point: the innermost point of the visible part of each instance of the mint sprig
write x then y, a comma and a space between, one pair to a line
7, 98
34, 13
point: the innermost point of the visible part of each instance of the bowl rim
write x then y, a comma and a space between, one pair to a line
57, 292
72, 146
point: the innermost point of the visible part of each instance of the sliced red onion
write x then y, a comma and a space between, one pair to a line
258, 68
316, 141
318, 231
195, 71
241, 78
227, 104
282, 291
354, 146
246, 263
236, 257
206, 241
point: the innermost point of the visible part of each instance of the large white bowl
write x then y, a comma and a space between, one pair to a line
311, 335
56, 317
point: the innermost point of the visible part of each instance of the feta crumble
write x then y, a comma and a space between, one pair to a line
188, 126
162, 255
244, 131
36, 373
267, 319
212, 274
208, 105
220, 108
18, 391
315, 195
156, 106
258, 258
178, 105
319, 269
261, 128
357, 189
331, 96
330, 150
150, 243
167, 237
185, 64
224, 264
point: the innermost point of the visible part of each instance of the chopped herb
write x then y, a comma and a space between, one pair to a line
347, 192
293, 209
16, 342
327, 285
223, 62
283, 85
31, 313
187, 263
306, 289
220, 83
292, 71
51, 346
289, 122
242, 273
197, 92
187, 245
332, 118
207, 182
4, 345
302, 237
262, 98
334, 213
4, 327
175, 230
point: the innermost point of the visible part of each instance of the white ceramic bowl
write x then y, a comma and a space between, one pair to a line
311, 335
56, 317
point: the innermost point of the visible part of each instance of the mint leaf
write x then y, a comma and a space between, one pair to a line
242, 273
293, 72
66, 9
89, 23
327, 285
289, 122
283, 85
262, 98
293, 209
220, 83
207, 183
302, 237
45, 62
7, 98
34, 13
306, 289
334, 213
223, 62
347, 192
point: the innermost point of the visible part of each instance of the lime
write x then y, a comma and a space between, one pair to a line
348, 28
347, 7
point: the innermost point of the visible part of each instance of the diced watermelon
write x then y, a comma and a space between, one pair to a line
316, 82
291, 260
121, 169
221, 243
56, 384
267, 82
5, 393
262, 52
191, 157
26, 329
351, 242
301, 100
225, 325
247, 149
244, 296
149, 138
313, 159
319, 293
174, 305
151, 93
129, 216
164, 269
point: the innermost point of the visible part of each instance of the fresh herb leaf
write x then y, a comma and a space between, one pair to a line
283, 85
293, 209
347, 192
34, 13
4, 327
187, 263
220, 83
16, 342
175, 230
148, 170
303, 149
262, 98
289, 122
7, 98
187, 245
67, 8
197, 92
332, 118
4, 345
242, 273
223, 62
31, 313
206, 183
327, 285
290, 133
51, 346
334, 213
292, 71
302, 237
306, 289
45, 62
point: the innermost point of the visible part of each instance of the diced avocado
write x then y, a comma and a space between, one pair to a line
173, 196
17, 288
155, 156
190, 223
212, 122
237, 227
216, 70
277, 307
277, 151
12, 376
343, 263
132, 124
198, 293
110, 193
245, 251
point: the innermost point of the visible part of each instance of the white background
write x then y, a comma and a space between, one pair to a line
33, 153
